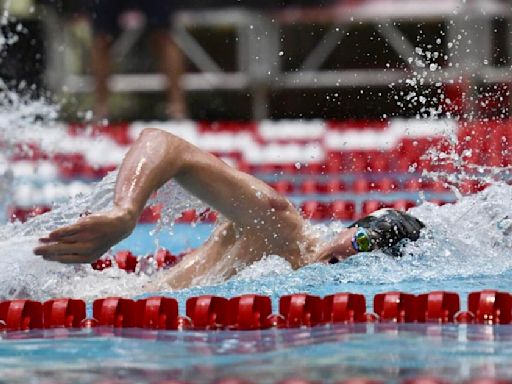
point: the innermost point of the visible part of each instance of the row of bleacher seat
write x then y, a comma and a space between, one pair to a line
75, 166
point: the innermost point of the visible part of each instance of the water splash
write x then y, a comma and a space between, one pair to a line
6, 180
468, 239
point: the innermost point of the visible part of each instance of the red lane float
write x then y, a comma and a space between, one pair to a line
344, 308
63, 313
487, 307
208, 312
396, 307
101, 264
157, 313
437, 306
21, 315
24, 214
491, 307
248, 312
164, 258
126, 260
115, 312
300, 310
251, 312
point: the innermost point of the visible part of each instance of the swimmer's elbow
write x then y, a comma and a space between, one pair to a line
171, 146
157, 136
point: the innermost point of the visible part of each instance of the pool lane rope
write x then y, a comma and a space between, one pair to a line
254, 312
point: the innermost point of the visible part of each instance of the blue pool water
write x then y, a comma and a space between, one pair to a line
467, 247
381, 351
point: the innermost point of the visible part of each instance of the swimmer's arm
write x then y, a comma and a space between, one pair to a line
158, 156
155, 158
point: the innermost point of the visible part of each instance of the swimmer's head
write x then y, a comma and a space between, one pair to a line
383, 229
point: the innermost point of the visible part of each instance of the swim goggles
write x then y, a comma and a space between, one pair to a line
361, 241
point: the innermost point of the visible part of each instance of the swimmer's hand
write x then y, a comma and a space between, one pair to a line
387, 227
89, 238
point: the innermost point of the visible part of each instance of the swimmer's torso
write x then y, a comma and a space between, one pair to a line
231, 249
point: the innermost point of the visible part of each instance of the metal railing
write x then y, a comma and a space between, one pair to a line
468, 55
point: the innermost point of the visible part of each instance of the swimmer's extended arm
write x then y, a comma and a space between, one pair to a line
155, 158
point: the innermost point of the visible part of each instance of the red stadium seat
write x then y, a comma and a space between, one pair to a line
361, 186
334, 162
378, 162
313, 169
231, 381
342, 210
385, 185
284, 187
413, 185
406, 164
415, 148
371, 206
315, 210
332, 186
435, 186
309, 187
357, 163
403, 205
471, 186
70, 165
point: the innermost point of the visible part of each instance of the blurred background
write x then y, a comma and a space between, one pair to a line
247, 60
345, 105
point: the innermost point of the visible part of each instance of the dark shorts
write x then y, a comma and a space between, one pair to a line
105, 13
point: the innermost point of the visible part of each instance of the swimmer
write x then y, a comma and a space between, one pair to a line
258, 220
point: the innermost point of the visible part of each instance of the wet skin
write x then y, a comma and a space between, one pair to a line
259, 221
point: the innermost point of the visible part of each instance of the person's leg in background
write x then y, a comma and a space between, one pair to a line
172, 61
104, 15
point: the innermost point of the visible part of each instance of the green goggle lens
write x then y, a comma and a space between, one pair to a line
361, 241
